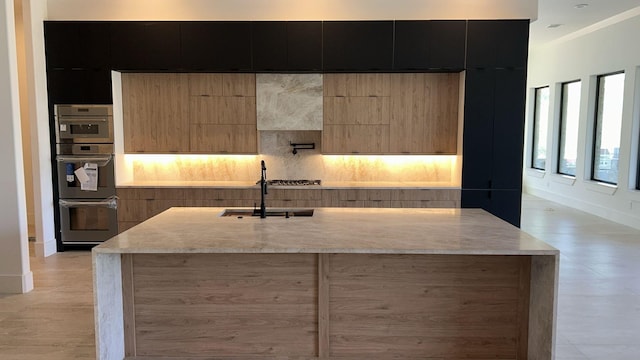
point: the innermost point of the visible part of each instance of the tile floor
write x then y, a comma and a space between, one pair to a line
598, 308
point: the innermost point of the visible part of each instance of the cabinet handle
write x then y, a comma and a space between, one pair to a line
355, 152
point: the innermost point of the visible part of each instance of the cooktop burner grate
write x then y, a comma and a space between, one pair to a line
292, 182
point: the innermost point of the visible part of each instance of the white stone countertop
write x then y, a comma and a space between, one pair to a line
329, 230
325, 185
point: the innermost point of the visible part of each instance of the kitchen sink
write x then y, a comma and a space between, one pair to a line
269, 212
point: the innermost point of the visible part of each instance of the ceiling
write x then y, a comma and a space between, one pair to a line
572, 18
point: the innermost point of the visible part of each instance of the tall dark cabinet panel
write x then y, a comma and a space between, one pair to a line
216, 45
493, 141
145, 45
287, 45
496, 62
437, 45
497, 43
357, 45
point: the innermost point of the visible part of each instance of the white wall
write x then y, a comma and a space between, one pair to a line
608, 47
15, 275
289, 9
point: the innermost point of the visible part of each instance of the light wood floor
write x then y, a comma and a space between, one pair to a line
598, 311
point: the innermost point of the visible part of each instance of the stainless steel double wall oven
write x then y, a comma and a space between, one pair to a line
85, 167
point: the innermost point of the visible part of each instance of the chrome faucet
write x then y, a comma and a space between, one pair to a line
263, 190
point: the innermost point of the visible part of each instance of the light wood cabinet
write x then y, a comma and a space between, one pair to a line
356, 114
390, 113
222, 114
155, 111
424, 113
190, 113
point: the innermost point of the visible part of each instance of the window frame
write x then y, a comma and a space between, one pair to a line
561, 123
595, 127
535, 122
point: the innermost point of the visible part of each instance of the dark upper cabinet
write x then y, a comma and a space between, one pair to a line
497, 43
216, 46
269, 45
430, 45
79, 86
357, 45
77, 45
287, 46
304, 45
140, 45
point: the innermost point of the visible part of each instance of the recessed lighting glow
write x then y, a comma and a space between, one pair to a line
581, 6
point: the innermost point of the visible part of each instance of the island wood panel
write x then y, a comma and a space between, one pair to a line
155, 112
428, 306
342, 306
225, 305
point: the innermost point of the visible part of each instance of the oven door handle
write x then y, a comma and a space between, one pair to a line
100, 160
111, 203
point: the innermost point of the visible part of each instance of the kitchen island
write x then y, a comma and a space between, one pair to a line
344, 283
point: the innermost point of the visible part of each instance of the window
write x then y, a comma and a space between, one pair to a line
569, 118
608, 124
540, 122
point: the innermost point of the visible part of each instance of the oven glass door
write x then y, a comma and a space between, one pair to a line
88, 221
69, 185
84, 130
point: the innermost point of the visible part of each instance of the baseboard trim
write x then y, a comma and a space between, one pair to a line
45, 248
16, 284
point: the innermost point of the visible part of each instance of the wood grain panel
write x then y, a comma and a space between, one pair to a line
373, 84
226, 305
155, 112
222, 110
239, 85
407, 306
205, 84
425, 194
323, 305
339, 84
232, 139
424, 113
355, 139
128, 305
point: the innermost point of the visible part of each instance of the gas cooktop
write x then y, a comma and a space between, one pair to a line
292, 182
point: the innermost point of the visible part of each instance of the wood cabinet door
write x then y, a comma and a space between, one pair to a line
155, 113
356, 114
222, 113
424, 113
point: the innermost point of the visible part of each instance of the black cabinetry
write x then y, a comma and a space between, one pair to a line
145, 45
430, 45
287, 45
216, 46
357, 45
497, 43
493, 141
77, 45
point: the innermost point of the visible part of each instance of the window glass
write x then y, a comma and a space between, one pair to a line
608, 125
540, 123
569, 118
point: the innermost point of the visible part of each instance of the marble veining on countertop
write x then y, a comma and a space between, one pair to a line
329, 230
